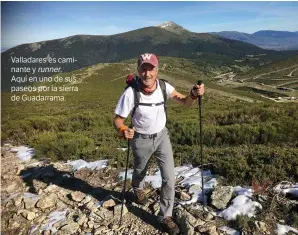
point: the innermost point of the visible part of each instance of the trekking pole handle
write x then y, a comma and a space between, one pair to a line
200, 82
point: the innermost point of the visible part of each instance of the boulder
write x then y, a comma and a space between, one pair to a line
70, 228
185, 221
47, 202
109, 203
184, 196
208, 229
117, 211
221, 196
77, 196
30, 202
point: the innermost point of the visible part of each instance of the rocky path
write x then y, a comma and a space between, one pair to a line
50, 198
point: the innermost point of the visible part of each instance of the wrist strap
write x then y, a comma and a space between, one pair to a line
122, 129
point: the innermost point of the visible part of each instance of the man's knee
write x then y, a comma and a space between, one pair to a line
169, 182
139, 172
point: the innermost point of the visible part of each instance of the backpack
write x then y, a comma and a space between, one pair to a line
133, 82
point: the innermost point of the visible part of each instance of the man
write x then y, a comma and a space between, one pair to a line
149, 134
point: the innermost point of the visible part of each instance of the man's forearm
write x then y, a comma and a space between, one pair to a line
188, 101
118, 122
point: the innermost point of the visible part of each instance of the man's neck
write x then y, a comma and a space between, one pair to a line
149, 90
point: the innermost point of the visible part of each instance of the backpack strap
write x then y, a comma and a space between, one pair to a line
137, 96
162, 84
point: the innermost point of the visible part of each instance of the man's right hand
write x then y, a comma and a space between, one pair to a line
127, 132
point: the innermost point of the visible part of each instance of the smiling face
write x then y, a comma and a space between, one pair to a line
148, 74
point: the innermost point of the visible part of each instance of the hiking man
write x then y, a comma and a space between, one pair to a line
149, 134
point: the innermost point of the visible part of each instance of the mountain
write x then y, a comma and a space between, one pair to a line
267, 39
234, 35
274, 34
173, 27
88, 50
3, 49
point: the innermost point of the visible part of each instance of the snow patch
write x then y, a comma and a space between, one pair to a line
53, 218
23, 153
243, 191
191, 176
79, 164
166, 24
287, 188
31, 195
241, 205
129, 174
284, 229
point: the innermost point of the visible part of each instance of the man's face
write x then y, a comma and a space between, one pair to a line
148, 74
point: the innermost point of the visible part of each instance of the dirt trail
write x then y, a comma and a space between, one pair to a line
275, 71
291, 73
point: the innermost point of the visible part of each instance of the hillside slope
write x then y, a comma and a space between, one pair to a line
89, 50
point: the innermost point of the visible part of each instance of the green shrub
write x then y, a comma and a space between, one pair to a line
17, 132
62, 146
242, 222
41, 124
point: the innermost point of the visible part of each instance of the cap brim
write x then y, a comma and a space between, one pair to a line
147, 62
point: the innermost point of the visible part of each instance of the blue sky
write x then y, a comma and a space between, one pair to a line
27, 22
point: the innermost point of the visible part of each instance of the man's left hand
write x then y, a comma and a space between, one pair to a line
198, 90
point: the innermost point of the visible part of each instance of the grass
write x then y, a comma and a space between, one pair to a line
241, 140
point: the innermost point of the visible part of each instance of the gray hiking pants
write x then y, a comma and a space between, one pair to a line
143, 146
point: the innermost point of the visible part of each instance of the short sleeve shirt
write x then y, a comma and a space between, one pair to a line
146, 119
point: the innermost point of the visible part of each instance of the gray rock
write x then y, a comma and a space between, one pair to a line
109, 203
82, 219
70, 228
156, 208
61, 205
86, 200
30, 202
184, 196
77, 196
10, 188
46, 232
90, 224
14, 224
208, 229
29, 215
221, 196
37, 184
40, 219
102, 214
52, 188
185, 221
194, 187
47, 202
117, 211
90, 205
209, 217
261, 226
20, 168
18, 200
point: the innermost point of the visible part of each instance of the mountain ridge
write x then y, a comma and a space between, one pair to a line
267, 39
93, 49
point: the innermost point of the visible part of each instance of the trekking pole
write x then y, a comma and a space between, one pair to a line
201, 144
125, 177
